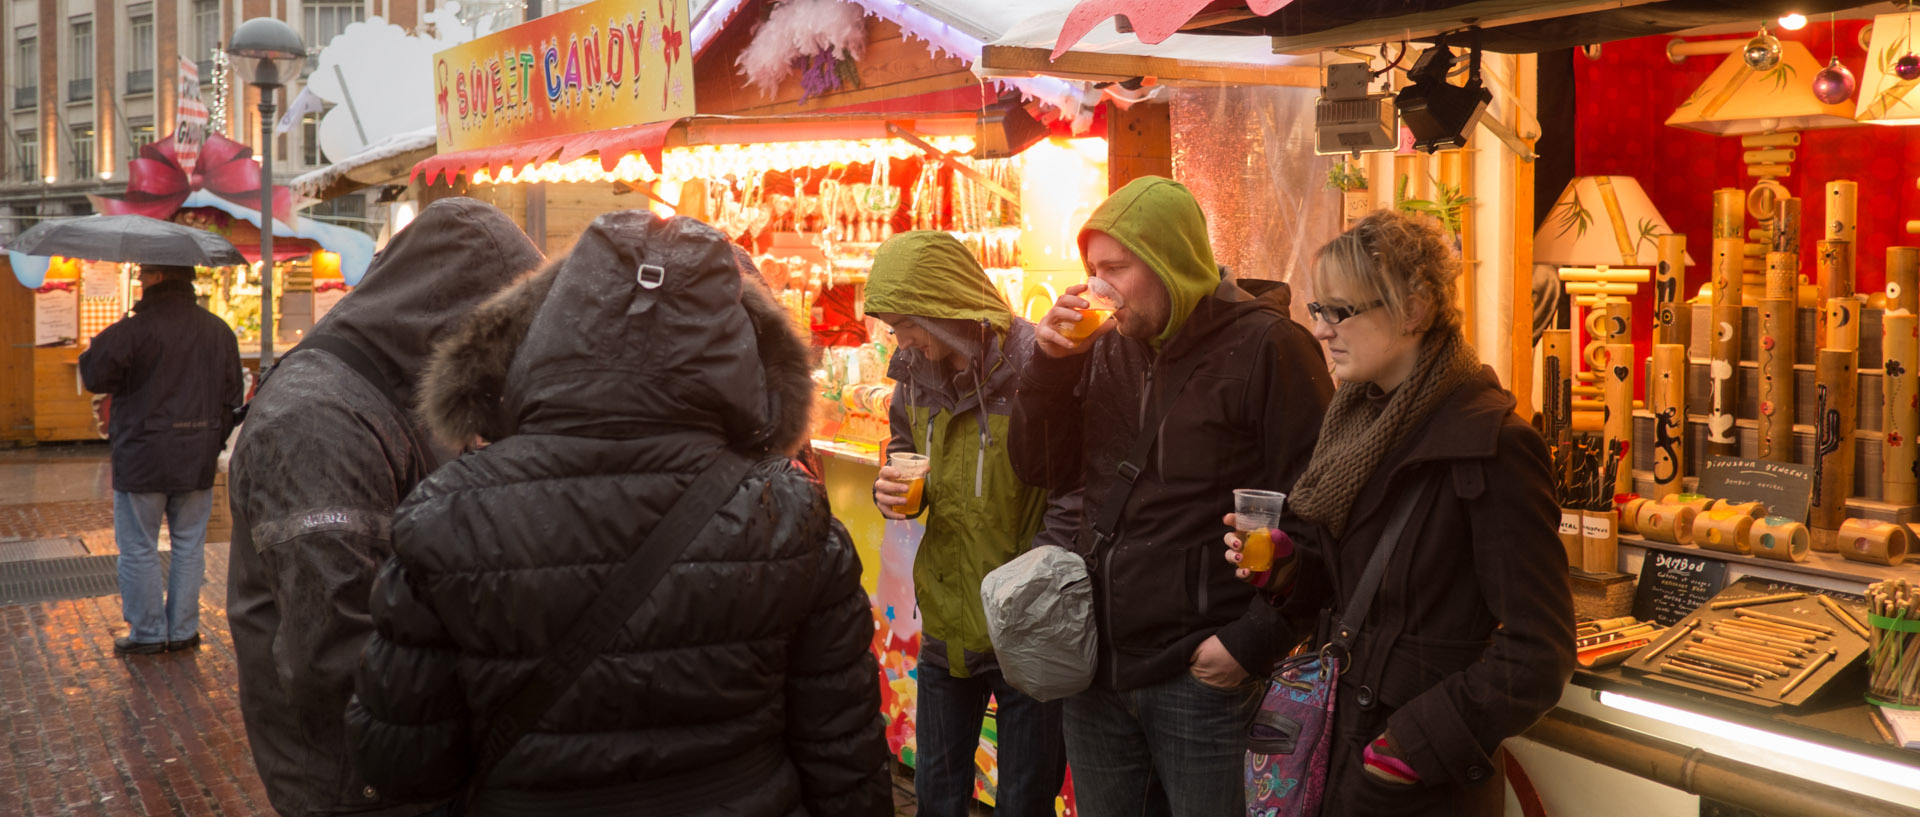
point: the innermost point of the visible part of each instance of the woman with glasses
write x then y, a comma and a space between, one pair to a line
1469, 639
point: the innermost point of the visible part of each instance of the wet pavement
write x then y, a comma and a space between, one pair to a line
91, 733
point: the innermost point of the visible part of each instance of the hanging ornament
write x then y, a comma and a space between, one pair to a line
1834, 84
1908, 67
217, 108
1763, 52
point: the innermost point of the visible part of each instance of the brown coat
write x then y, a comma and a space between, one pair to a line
1470, 639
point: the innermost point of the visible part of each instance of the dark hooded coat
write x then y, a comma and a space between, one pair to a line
743, 685
173, 369
322, 461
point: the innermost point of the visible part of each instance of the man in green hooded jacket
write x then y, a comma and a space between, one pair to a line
1182, 642
961, 350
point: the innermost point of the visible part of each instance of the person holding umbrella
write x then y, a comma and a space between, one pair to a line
173, 371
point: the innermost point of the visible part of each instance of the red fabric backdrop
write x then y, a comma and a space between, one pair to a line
1624, 99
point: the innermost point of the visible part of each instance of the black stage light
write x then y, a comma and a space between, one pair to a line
1441, 114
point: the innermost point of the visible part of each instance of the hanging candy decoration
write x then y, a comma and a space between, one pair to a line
1834, 84
1763, 51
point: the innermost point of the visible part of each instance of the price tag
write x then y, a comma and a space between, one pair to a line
1570, 523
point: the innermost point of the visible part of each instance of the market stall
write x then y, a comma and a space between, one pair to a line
1721, 297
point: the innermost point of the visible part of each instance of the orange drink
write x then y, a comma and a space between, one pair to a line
916, 488
1254, 512
912, 469
1090, 320
1256, 549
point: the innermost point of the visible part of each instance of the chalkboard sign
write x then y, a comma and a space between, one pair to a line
1673, 585
1784, 487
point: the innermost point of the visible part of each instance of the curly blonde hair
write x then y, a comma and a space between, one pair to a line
1404, 260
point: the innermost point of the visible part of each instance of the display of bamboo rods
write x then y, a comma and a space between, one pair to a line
1893, 656
1672, 320
1679, 634
1604, 625
1763, 639
1833, 264
1901, 418
1812, 668
1749, 650
1702, 677
1784, 621
1834, 405
1782, 636
1846, 619
1747, 600
1779, 331
1613, 635
1707, 667
1734, 663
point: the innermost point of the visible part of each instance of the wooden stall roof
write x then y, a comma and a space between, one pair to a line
895, 67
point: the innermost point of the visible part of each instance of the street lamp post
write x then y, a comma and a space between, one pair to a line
265, 51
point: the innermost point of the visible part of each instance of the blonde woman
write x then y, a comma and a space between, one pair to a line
1470, 638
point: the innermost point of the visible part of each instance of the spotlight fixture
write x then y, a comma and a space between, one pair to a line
1441, 114
1348, 119
1793, 22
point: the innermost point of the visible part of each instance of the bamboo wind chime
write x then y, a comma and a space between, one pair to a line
1836, 368
1779, 333
1723, 342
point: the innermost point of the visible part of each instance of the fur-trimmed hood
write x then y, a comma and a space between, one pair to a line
648, 325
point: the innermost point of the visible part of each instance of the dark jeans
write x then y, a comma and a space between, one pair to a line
1032, 759
1176, 747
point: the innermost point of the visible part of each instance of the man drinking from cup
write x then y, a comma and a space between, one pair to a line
1238, 389
960, 351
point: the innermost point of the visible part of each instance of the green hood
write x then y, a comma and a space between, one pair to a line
927, 273
1158, 219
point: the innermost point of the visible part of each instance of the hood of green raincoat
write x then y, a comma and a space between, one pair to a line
930, 274
1159, 220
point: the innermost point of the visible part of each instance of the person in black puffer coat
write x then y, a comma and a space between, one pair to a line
743, 685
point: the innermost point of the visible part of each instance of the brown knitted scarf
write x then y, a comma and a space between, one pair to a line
1360, 429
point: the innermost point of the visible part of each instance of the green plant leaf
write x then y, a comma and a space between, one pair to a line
1570, 215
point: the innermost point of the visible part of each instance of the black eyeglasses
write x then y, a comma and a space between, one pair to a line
1334, 315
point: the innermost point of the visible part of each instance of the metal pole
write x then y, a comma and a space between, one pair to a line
266, 227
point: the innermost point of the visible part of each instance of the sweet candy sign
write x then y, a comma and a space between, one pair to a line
607, 64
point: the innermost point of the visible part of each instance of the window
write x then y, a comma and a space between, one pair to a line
139, 134
82, 153
310, 139
325, 19
80, 64
206, 30
26, 68
26, 155
140, 59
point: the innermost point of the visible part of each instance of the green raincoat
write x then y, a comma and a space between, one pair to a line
979, 513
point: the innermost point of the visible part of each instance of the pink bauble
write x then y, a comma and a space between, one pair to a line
1834, 84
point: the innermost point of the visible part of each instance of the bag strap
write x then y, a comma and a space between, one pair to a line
1130, 468
618, 600
1347, 626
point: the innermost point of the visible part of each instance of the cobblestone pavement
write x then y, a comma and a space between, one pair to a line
90, 733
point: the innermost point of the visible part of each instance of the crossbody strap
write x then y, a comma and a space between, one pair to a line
1129, 470
1347, 624
608, 615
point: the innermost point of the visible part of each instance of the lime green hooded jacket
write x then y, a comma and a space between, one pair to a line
1159, 220
979, 514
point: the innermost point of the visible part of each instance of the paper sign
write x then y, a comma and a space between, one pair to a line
56, 317
191, 116
1596, 526
1784, 487
99, 279
1569, 524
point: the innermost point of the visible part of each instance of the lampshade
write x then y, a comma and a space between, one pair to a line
266, 52
1601, 220
1737, 100
1886, 99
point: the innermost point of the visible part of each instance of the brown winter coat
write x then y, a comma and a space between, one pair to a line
1470, 639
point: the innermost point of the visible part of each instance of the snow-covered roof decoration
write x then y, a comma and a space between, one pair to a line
309, 185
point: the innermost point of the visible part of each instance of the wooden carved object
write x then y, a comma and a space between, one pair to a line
1599, 542
1833, 264
1723, 360
1834, 407
1617, 415
1667, 522
1729, 213
1728, 281
1898, 462
1723, 530
1672, 320
1777, 537
1903, 267
1556, 380
1776, 353
1668, 393
1870, 540
1843, 324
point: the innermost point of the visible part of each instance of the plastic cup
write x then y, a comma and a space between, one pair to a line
1102, 299
913, 468
1254, 511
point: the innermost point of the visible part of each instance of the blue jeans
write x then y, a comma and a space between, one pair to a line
161, 610
1176, 747
1032, 760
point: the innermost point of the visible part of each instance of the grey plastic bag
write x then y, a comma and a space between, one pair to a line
1040, 616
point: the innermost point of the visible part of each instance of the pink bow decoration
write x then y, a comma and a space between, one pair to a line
157, 185
54, 286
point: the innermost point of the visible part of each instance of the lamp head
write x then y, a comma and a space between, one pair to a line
1441, 114
267, 52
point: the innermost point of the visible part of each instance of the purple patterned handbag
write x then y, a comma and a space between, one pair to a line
1291, 738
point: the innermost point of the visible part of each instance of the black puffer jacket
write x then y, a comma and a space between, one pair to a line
174, 372
322, 461
744, 684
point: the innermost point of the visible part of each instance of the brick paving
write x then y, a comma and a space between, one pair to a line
90, 733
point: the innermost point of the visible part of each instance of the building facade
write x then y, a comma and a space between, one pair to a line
87, 82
